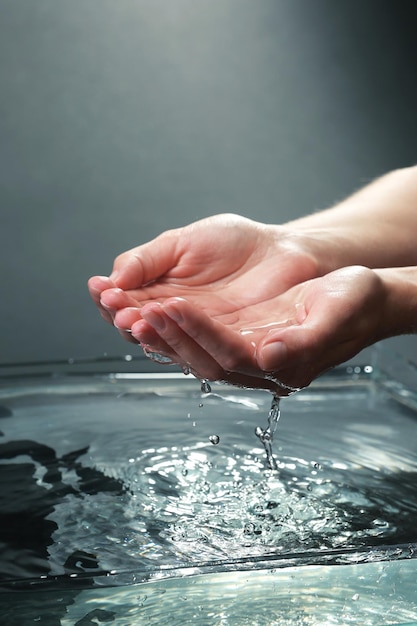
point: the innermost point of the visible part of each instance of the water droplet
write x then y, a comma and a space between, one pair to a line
205, 386
214, 439
201, 405
155, 356
128, 357
186, 370
317, 466
355, 597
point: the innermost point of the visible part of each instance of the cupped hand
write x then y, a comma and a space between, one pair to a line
241, 321
221, 265
280, 344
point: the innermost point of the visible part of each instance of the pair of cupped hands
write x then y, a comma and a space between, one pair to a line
235, 300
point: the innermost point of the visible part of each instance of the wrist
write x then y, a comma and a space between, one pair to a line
328, 249
400, 309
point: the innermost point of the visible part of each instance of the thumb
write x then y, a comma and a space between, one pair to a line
146, 263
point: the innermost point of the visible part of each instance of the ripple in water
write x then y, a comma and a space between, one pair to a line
211, 503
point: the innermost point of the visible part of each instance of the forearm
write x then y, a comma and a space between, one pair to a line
375, 227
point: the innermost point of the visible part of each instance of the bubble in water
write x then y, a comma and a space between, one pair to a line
249, 529
215, 439
201, 405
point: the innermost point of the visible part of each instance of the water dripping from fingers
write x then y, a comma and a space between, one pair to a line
156, 357
288, 389
205, 386
266, 436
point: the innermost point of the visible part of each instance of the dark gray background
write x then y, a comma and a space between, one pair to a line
121, 118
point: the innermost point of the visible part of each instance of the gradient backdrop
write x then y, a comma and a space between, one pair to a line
121, 118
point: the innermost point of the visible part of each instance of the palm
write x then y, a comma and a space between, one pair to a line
321, 321
222, 265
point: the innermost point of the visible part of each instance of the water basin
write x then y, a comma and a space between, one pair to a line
129, 496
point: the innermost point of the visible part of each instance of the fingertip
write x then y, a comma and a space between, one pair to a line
173, 310
124, 318
127, 273
110, 296
272, 355
138, 327
97, 284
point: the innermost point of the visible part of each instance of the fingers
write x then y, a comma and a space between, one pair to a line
295, 357
340, 322
226, 347
151, 342
205, 347
115, 306
96, 286
186, 350
112, 300
209, 347
147, 262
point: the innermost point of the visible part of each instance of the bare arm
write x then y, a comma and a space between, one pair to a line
375, 227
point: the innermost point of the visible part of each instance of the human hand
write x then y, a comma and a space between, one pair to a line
231, 300
221, 265
280, 344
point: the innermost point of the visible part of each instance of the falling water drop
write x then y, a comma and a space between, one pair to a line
215, 439
205, 386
